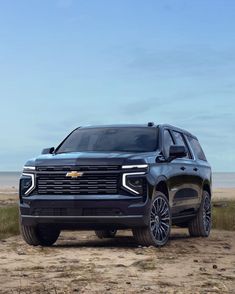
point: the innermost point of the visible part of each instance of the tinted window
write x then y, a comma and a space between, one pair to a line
167, 142
111, 140
197, 149
180, 141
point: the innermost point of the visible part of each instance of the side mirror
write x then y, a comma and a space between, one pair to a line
48, 150
177, 152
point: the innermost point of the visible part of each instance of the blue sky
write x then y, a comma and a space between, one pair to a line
68, 63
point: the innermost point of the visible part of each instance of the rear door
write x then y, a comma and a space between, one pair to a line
201, 166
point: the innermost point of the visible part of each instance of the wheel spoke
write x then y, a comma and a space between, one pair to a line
165, 211
164, 231
153, 227
160, 219
158, 205
166, 225
154, 210
163, 205
207, 213
155, 232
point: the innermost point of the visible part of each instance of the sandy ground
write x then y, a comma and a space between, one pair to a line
224, 194
81, 263
7, 198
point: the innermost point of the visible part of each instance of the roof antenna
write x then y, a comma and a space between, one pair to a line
150, 124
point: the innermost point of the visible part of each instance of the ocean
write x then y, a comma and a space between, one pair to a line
9, 179
220, 180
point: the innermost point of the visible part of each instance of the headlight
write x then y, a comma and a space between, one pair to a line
27, 167
134, 182
134, 166
27, 184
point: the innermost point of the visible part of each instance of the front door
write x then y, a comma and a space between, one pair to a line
186, 184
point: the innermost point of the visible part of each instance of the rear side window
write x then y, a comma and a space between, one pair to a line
197, 149
180, 141
168, 141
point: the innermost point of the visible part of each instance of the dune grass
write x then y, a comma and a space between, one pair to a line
224, 215
9, 221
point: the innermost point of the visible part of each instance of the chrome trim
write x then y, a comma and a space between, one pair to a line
124, 181
135, 166
31, 188
29, 167
174, 189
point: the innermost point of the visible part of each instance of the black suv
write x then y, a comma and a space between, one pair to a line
105, 178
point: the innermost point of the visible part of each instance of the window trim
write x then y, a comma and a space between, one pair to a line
194, 154
191, 154
163, 145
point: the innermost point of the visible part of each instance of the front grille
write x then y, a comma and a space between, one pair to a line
91, 182
51, 211
78, 168
62, 211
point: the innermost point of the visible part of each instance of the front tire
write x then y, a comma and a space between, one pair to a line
200, 226
106, 233
39, 235
158, 230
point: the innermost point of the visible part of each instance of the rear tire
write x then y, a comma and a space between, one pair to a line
200, 226
39, 235
158, 230
106, 233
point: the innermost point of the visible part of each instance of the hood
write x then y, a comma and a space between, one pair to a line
91, 158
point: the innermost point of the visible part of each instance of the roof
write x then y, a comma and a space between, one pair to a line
139, 126
119, 126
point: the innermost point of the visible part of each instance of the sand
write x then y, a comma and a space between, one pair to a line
81, 263
224, 194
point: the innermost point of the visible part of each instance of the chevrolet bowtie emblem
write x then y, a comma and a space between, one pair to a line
74, 174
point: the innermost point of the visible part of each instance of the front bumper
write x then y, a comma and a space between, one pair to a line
85, 212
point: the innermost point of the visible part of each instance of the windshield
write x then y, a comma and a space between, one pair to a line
125, 139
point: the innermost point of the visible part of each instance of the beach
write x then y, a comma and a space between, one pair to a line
79, 262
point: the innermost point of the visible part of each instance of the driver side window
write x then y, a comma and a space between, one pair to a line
167, 142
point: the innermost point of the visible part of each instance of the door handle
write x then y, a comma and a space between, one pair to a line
195, 169
183, 168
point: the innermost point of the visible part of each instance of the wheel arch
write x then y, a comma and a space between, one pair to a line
207, 187
161, 186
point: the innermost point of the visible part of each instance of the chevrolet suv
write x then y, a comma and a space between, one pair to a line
106, 178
